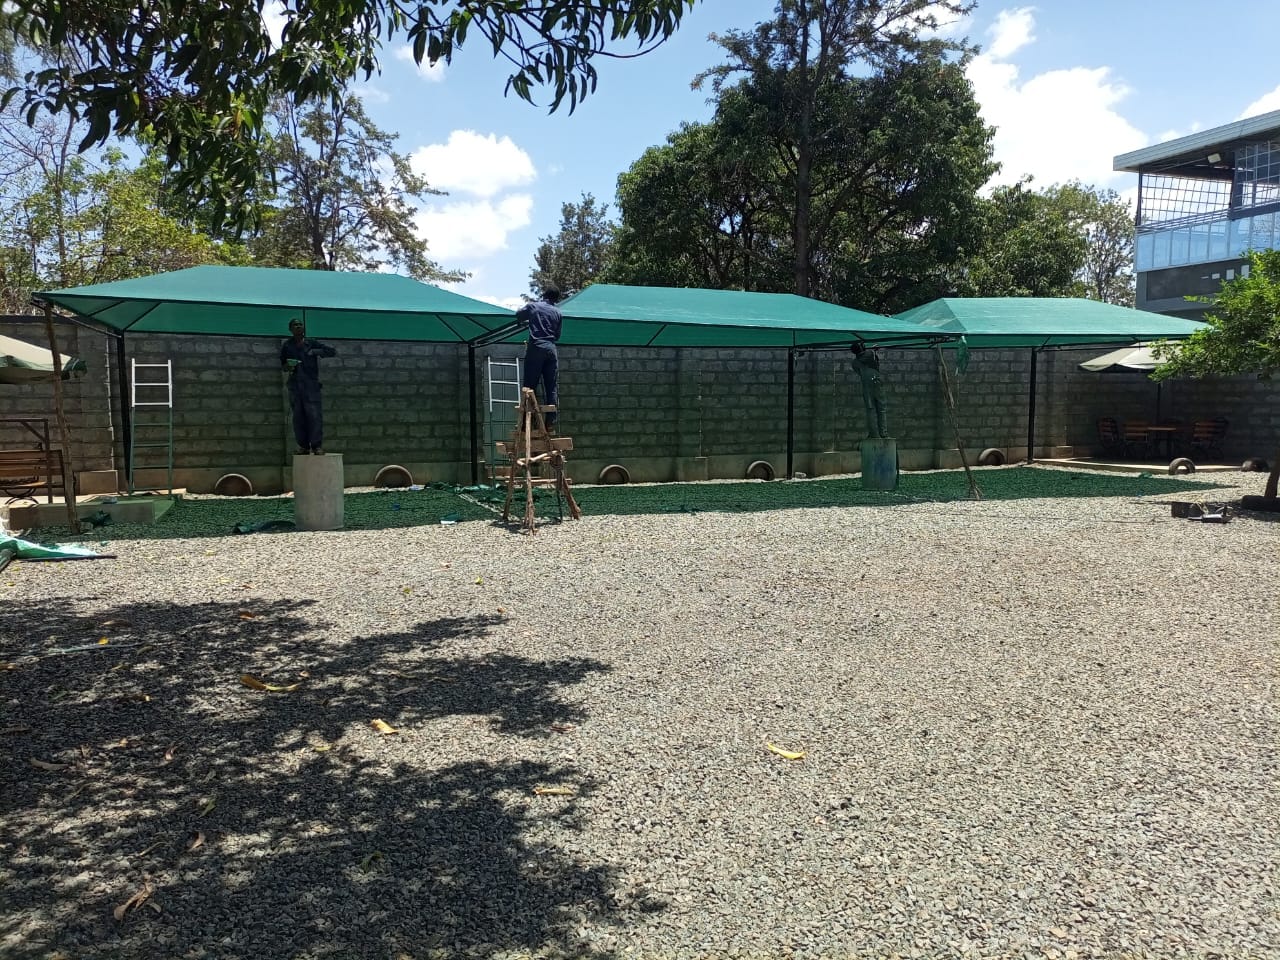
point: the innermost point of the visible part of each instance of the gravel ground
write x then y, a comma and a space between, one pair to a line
1041, 727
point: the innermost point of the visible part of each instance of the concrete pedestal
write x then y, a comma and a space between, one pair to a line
317, 492
879, 463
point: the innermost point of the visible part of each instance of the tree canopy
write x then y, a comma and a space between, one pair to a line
343, 198
575, 256
197, 79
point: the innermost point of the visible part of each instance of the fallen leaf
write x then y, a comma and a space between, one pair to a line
46, 765
500, 610
323, 747
479, 579
406, 590
254, 683
383, 727
20, 728
554, 791
562, 727
137, 900
248, 615
197, 843
168, 754
8, 666
207, 807
367, 863
786, 754
103, 641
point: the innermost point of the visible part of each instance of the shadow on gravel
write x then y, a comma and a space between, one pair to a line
281, 824
406, 508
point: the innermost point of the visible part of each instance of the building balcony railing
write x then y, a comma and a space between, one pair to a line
1203, 239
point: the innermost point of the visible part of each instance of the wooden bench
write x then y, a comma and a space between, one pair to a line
23, 472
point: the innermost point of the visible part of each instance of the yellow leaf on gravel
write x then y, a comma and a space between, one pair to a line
103, 641
137, 900
383, 727
554, 791
254, 683
785, 754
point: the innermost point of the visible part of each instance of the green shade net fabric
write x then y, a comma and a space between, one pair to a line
613, 315
1044, 321
260, 301
23, 362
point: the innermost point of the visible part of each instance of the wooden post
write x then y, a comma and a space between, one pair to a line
64, 431
974, 492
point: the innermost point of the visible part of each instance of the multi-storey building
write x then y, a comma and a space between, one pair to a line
1204, 200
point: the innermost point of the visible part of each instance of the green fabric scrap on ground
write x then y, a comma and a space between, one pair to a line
27, 550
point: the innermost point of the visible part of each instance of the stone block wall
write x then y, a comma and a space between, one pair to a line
662, 413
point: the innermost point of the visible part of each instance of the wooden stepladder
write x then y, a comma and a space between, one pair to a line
530, 449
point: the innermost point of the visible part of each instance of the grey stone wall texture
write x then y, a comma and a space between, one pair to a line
664, 414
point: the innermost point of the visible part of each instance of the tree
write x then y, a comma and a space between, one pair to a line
1106, 224
574, 258
1027, 246
693, 214
76, 223
343, 200
893, 182
198, 79
1243, 335
792, 63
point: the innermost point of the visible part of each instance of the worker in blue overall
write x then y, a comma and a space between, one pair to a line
541, 360
300, 358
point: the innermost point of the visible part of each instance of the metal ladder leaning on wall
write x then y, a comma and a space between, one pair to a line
158, 399
532, 446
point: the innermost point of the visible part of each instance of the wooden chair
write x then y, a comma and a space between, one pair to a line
1137, 438
1207, 436
1109, 439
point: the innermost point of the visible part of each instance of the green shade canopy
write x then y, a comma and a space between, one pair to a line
22, 362
1045, 321
607, 314
260, 301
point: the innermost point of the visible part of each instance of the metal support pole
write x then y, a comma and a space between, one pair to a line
791, 410
1031, 411
474, 423
126, 421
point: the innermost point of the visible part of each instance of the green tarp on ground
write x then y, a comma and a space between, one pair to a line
607, 314
22, 362
260, 301
1044, 321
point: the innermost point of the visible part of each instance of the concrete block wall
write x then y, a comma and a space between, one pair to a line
664, 414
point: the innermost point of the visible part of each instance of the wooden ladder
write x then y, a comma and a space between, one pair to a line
530, 446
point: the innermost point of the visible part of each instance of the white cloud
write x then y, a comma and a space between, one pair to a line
471, 163
431, 72
459, 231
370, 93
1012, 31
949, 27
274, 19
1058, 125
1264, 104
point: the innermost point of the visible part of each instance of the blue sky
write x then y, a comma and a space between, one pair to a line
1068, 84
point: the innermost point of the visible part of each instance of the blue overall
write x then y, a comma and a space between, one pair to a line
304, 390
541, 359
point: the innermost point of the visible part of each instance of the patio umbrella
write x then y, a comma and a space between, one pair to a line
22, 362
1137, 357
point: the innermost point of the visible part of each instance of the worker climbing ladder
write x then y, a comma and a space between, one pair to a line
532, 449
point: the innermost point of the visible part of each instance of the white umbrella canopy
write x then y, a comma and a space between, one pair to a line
22, 362
1138, 357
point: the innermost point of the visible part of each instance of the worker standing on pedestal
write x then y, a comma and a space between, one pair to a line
868, 366
300, 357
